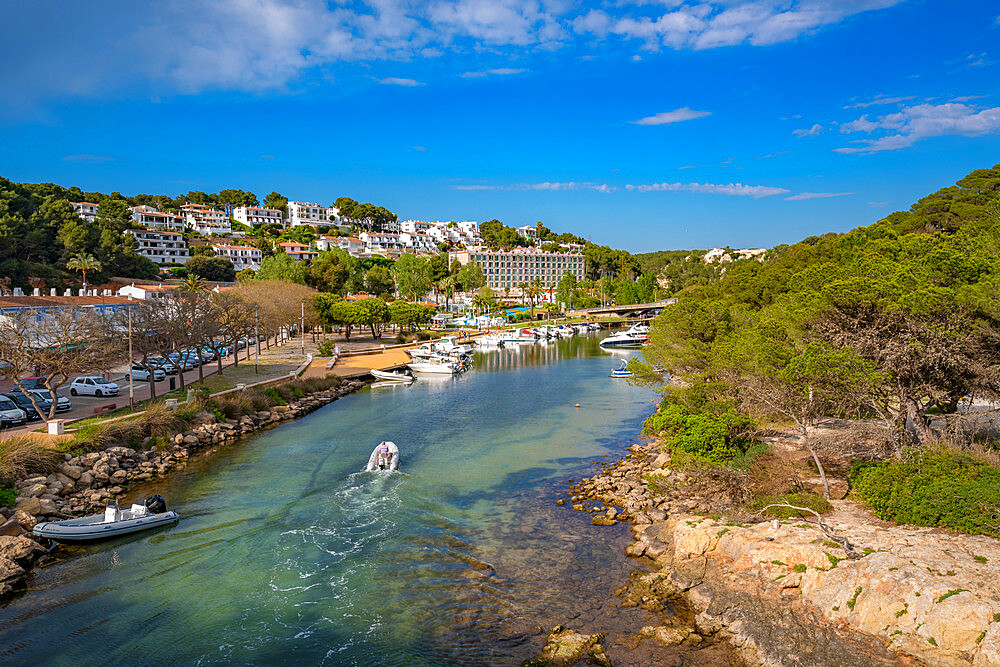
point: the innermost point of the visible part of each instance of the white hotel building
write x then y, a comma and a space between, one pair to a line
160, 247
304, 213
507, 270
242, 256
155, 219
205, 220
253, 215
85, 209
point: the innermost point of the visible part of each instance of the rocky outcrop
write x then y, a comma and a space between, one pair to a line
785, 594
564, 647
84, 484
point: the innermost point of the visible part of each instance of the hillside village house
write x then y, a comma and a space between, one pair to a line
351, 244
148, 292
155, 219
507, 270
376, 242
417, 242
297, 251
528, 232
242, 256
304, 213
253, 215
85, 210
160, 247
205, 220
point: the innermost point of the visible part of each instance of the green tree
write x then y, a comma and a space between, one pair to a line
281, 267
217, 269
276, 201
332, 271
485, 300
373, 313
83, 262
379, 280
413, 277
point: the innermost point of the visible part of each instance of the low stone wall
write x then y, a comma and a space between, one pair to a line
83, 484
784, 594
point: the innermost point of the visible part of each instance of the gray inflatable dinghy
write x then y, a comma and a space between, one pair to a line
114, 522
377, 461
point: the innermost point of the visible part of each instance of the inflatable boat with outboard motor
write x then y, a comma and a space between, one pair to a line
114, 522
385, 456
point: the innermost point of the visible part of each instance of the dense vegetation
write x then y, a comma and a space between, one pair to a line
894, 323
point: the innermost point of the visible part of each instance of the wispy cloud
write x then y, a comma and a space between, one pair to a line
499, 71
878, 204
734, 189
687, 166
675, 116
87, 157
550, 186
967, 98
419, 149
919, 122
773, 155
802, 196
877, 100
396, 81
266, 156
809, 132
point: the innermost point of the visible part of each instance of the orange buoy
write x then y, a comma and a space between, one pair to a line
577, 405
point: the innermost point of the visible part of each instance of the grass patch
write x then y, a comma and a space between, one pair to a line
981, 637
22, 456
800, 499
833, 559
934, 487
980, 559
950, 593
7, 497
800, 567
722, 532
932, 641
656, 483
854, 598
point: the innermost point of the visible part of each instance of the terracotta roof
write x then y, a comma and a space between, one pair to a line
50, 301
234, 247
83, 203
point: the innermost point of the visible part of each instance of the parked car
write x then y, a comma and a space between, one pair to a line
10, 414
33, 383
24, 403
164, 365
141, 374
93, 385
186, 360
62, 403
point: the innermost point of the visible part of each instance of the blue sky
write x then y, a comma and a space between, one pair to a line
639, 124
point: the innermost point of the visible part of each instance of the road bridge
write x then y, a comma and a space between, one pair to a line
640, 310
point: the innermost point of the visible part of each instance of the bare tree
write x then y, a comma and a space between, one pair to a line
56, 344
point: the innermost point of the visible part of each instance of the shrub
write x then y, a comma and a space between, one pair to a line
7, 497
718, 437
935, 487
21, 456
325, 348
187, 412
799, 499
275, 397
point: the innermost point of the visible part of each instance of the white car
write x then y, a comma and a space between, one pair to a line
93, 385
141, 374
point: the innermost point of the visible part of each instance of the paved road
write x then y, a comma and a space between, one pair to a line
86, 406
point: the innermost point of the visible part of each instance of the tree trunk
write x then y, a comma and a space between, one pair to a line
804, 439
924, 432
218, 357
201, 371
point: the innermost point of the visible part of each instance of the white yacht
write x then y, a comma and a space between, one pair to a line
436, 365
634, 337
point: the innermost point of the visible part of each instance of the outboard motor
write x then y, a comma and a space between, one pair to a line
156, 504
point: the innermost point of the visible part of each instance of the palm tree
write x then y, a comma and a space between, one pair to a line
524, 291
192, 284
447, 285
535, 289
83, 262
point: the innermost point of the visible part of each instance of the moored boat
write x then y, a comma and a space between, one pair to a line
634, 337
622, 371
114, 522
392, 376
434, 365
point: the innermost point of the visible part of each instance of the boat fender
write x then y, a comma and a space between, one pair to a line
156, 504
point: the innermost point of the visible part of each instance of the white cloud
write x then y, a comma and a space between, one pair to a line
735, 189
395, 81
922, 121
878, 204
499, 71
88, 158
802, 196
266, 156
419, 149
810, 132
543, 186
675, 116
878, 100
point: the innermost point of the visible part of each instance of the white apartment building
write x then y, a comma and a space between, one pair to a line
253, 215
528, 232
297, 251
148, 292
416, 226
85, 210
160, 247
154, 219
417, 242
205, 220
242, 256
378, 242
507, 270
304, 213
353, 245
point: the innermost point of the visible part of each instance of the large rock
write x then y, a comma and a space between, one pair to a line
11, 527
21, 550
47, 507
85, 480
29, 505
11, 576
567, 647
119, 477
24, 518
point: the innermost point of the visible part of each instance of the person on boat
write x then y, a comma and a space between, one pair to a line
384, 455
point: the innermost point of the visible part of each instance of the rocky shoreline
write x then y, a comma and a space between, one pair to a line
780, 591
83, 484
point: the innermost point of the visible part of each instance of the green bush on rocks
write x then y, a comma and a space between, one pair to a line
934, 487
718, 436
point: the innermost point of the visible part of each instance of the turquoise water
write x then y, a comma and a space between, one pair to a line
285, 552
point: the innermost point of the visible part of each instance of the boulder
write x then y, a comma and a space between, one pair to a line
567, 647
85, 480
119, 477
47, 507
19, 549
31, 481
665, 634
24, 519
29, 505
11, 527
11, 576
35, 490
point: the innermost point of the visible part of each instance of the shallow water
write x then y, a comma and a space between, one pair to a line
286, 553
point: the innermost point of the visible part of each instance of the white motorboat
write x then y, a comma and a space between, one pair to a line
634, 337
114, 522
564, 331
449, 345
383, 459
434, 365
622, 371
392, 376
490, 340
425, 351
518, 336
